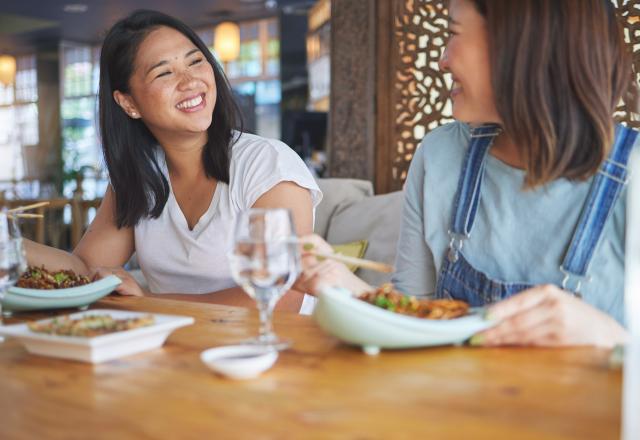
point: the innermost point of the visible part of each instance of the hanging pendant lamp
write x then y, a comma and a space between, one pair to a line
7, 69
227, 41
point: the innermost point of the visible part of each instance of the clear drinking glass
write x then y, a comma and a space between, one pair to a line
265, 262
12, 255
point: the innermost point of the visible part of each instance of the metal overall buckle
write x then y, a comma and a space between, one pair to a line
455, 245
566, 285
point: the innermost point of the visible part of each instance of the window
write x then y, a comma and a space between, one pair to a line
318, 56
81, 152
255, 75
249, 62
18, 118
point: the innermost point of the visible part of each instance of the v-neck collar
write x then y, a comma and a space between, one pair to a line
181, 220
176, 213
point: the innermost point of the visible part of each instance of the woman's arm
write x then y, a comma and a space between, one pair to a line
415, 270
54, 259
103, 249
318, 274
103, 244
315, 274
291, 196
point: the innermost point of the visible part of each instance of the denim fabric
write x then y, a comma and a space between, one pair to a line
468, 195
458, 279
606, 188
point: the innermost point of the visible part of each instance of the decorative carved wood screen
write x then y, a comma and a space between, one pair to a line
411, 91
629, 11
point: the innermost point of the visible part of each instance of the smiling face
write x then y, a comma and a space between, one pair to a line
466, 57
172, 88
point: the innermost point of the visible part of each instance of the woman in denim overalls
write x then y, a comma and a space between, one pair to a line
538, 80
458, 279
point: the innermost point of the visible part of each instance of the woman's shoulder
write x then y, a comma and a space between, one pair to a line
260, 156
445, 143
259, 163
247, 145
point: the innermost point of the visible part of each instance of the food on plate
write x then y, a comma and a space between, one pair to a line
388, 298
90, 325
41, 278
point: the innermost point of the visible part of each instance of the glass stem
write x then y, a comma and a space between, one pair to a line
266, 327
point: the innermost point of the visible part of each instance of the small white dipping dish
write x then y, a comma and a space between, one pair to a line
239, 361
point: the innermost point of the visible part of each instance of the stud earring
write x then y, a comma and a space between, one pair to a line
134, 115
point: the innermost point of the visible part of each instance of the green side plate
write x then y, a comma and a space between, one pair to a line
20, 299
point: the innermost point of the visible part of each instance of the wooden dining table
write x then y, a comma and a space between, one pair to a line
319, 388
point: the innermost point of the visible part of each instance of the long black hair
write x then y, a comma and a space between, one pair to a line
141, 189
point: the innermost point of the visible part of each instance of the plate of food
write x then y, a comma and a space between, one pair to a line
386, 318
96, 335
39, 289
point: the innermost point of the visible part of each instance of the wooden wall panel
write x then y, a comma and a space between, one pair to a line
629, 11
352, 118
412, 95
413, 92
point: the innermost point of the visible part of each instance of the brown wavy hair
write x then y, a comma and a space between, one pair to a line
559, 69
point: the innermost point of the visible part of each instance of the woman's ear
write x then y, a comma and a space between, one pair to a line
126, 103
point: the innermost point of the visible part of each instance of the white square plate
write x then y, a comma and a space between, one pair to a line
98, 348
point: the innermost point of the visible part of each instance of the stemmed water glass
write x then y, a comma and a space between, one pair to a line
265, 262
12, 256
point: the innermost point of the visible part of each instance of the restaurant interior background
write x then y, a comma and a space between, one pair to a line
352, 86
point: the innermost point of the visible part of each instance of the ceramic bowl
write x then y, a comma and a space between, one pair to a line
239, 361
357, 322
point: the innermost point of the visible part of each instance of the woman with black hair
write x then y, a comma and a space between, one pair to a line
179, 170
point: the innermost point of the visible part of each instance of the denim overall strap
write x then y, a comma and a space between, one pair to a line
605, 189
468, 193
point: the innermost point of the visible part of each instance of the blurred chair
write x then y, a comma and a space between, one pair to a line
51, 229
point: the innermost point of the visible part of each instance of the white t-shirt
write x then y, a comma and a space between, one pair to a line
175, 259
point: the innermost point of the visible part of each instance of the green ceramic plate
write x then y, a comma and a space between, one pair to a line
20, 299
357, 322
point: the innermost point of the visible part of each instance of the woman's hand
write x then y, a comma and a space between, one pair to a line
548, 316
129, 285
316, 274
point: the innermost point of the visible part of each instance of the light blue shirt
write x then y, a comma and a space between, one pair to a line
519, 236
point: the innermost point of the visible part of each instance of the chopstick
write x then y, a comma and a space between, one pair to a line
360, 262
28, 207
25, 215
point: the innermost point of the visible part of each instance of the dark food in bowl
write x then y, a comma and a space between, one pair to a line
91, 325
394, 301
41, 278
